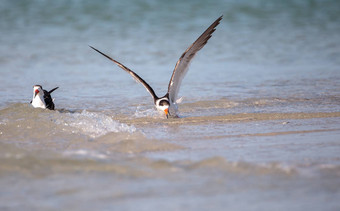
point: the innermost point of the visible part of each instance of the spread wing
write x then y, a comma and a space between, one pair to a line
133, 74
182, 64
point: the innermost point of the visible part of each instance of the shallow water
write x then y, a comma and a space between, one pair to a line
260, 118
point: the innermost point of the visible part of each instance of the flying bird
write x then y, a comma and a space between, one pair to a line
168, 103
42, 98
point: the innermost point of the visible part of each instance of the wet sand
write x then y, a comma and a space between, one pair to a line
230, 118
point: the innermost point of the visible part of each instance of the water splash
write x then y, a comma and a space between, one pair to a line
92, 124
142, 112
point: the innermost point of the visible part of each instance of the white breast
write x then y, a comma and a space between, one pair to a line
38, 102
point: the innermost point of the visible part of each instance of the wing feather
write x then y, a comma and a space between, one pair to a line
48, 100
182, 64
133, 74
52, 90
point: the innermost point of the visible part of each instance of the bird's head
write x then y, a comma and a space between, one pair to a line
37, 90
164, 105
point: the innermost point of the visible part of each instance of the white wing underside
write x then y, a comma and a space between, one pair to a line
175, 83
182, 65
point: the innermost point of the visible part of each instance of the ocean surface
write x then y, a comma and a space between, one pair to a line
260, 117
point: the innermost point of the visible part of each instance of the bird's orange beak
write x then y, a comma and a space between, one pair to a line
166, 111
36, 92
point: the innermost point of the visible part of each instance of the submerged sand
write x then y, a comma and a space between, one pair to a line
232, 118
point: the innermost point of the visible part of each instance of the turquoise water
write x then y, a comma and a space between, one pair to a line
260, 113
259, 46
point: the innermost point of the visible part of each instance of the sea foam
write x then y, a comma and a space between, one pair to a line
92, 124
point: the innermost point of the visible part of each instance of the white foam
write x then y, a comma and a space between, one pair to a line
92, 124
86, 153
142, 112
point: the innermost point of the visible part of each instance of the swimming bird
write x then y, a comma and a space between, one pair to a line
42, 98
168, 103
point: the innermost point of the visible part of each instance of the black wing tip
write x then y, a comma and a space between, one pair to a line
95, 49
92, 47
213, 27
210, 30
219, 19
99, 51
52, 90
103, 54
216, 22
